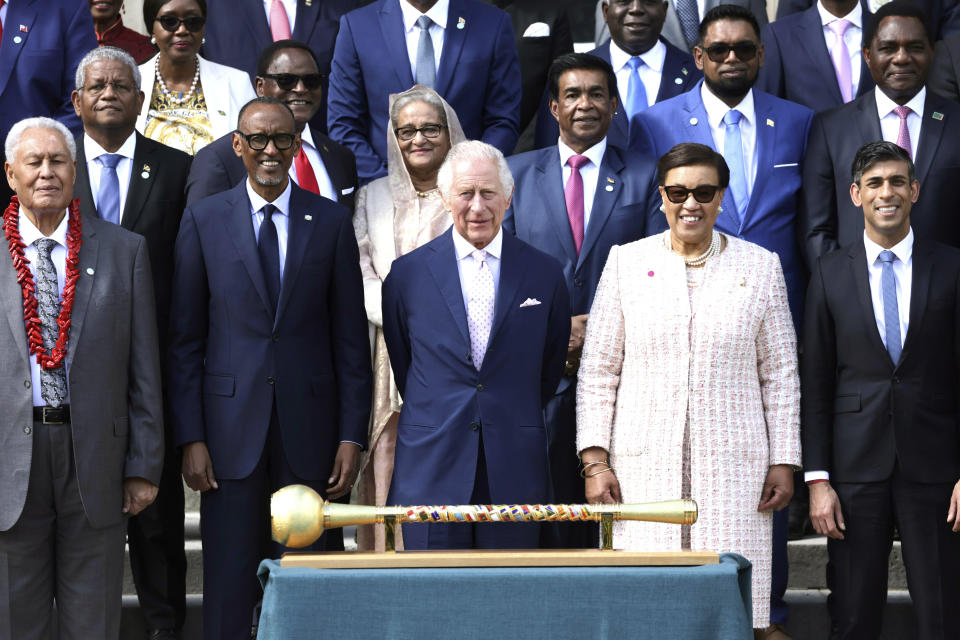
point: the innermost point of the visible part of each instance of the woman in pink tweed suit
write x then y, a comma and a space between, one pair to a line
688, 382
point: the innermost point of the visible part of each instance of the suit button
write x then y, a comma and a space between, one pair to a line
27, 430
26, 383
479, 387
270, 380
474, 426
276, 338
578, 282
896, 380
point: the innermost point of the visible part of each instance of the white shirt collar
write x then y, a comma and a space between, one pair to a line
464, 248
717, 108
282, 203
306, 137
30, 234
885, 105
903, 249
437, 13
594, 153
652, 57
92, 150
855, 17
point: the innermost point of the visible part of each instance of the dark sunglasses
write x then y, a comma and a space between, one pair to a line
288, 81
428, 131
745, 51
172, 23
259, 141
703, 193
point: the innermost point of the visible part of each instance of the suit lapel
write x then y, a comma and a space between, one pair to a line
89, 254
858, 264
511, 273
603, 200
240, 229
81, 184
306, 20
338, 175
11, 300
391, 28
550, 189
931, 133
919, 292
673, 70
766, 136
257, 25
809, 38
140, 186
299, 232
19, 14
442, 263
453, 41
869, 122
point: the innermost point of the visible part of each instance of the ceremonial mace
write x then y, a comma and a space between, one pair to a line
298, 515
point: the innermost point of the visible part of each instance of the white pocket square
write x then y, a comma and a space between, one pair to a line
530, 302
347, 191
789, 164
537, 30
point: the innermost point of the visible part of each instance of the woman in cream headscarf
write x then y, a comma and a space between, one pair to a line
395, 215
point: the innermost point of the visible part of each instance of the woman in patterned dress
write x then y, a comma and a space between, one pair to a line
688, 382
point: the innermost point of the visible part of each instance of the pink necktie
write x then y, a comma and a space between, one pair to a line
841, 59
573, 194
279, 23
903, 136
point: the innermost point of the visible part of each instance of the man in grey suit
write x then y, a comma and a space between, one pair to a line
81, 440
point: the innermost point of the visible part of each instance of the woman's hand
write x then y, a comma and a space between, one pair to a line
777, 488
601, 485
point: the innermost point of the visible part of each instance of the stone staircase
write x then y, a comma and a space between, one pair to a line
806, 594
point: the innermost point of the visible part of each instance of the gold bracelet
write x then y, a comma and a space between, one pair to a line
585, 465
590, 475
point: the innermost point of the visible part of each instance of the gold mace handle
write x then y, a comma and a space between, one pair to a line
299, 515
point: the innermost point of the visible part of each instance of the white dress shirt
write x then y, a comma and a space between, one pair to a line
464, 261
716, 109
327, 189
650, 71
437, 13
890, 122
92, 151
590, 172
280, 217
852, 37
3, 14
290, 6
903, 270
30, 234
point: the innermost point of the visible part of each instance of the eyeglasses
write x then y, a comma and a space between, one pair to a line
744, 51
288, 81
259, 141
118, 88
172, 23
428, 131
703, 193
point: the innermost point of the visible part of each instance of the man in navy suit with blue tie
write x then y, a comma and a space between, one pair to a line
648, 68
464, 49
270, 379
803, 51
576, 215
476, 324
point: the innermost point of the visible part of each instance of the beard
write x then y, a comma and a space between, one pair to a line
730, 89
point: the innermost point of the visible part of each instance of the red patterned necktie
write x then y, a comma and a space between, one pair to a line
306, 178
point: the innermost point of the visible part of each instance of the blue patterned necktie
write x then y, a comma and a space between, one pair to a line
108, 195
733, 154
636, 92
268, 245
891, 310
53, 382
689, 14
426, 62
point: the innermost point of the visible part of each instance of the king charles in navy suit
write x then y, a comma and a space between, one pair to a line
270, 374
477, 72
476, 324
622, 202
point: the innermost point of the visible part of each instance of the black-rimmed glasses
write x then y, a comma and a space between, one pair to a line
744, 51
428, 130
259, 141
703, 193
172, 23
288, 81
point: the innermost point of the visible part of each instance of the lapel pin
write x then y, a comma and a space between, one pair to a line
145, 172
461, 23
17, 40
684, 71
678, 80
769, 122
650, 273
89, 271
610, 180
221, 112
694, 121
937, 115
609, 187
309, 3
23, 28
325, 148
308, 217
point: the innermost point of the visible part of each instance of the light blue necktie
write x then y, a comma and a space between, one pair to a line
891, 311
426, 62
636, 92
733, 154
108, 196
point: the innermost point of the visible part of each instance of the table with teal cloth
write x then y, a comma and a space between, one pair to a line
709, 602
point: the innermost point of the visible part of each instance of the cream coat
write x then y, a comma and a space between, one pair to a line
729, 366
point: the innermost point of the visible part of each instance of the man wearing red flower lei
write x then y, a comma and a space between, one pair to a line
81, 440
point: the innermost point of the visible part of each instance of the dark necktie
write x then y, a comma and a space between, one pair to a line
269, 247
689, 14
53, 382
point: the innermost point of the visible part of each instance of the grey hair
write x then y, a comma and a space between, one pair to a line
106, 53
474, 151
16, 132
418, 94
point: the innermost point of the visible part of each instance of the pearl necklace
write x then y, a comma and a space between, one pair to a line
712, 250
427, 193
183, 97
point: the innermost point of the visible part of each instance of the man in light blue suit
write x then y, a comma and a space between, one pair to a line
464, 49
618, 199
476, 324
763, 139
